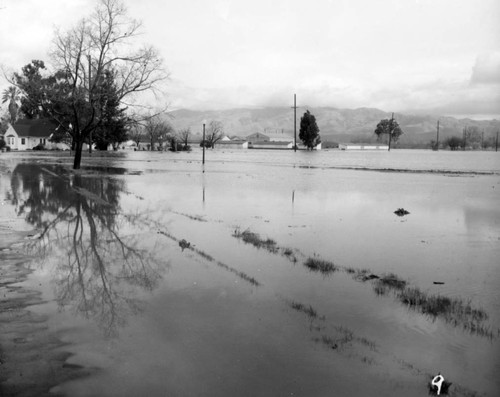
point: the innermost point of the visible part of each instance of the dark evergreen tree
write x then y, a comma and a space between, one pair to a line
33, 86
112, 128
309, 131
454, 142
389, 127
51, 96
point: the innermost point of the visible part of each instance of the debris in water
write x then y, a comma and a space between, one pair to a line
401, 212
438, 282
184, 244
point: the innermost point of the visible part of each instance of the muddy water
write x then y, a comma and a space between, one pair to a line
221, 317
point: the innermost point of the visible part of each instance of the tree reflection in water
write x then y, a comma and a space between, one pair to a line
98, 272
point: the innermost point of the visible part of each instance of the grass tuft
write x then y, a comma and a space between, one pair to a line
392, 281
320, 265
309, 310
254, 239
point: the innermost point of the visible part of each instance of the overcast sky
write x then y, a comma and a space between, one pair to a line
396, 55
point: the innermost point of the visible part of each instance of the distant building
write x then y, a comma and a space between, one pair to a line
257, 137
232, 144
270, 145
362, 146
238, 138
280, 137
269, 137
278, 140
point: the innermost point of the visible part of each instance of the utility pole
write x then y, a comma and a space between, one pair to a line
294, 122
496, 143
391, 129
203, 144
482, 140
465, 138
437, 137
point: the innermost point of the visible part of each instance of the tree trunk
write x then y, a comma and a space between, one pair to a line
78, 154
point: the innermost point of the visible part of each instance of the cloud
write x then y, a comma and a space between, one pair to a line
487, 69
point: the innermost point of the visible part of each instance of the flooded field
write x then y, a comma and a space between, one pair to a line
261, 273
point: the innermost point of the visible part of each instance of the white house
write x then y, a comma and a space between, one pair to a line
232, 144
270, 145
278, 140
25, 134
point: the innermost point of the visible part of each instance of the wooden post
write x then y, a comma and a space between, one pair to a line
294, 122
203, 144
391, 129
437, 137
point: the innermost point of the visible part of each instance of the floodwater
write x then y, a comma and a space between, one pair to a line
146, 281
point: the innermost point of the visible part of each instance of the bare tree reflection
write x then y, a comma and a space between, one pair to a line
100, 264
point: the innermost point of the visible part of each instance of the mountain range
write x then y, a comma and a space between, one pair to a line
336, 125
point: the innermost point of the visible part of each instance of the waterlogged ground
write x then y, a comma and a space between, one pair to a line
263, 273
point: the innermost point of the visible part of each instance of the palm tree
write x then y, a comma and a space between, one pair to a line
12, 95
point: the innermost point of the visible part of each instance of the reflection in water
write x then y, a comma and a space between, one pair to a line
203, 184
97, 270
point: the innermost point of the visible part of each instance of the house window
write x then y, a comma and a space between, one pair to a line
23, 141
11, 140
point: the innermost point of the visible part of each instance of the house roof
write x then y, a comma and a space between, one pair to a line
257, 135
273, 136
37, 128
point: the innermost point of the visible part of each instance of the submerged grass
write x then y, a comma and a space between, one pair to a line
192, 217
307, 309
391, 281
452, 310
210, 258
343, 337
268, 244
254, 239
320, 265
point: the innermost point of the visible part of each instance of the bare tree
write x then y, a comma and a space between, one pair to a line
99, 48
184, 136
158, 131
214, 133
472, 137
137, 134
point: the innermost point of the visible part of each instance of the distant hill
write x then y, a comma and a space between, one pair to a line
336, 125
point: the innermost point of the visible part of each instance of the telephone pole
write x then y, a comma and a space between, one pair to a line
391, 130
294, 122
496, 143
203, 143
437, 137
